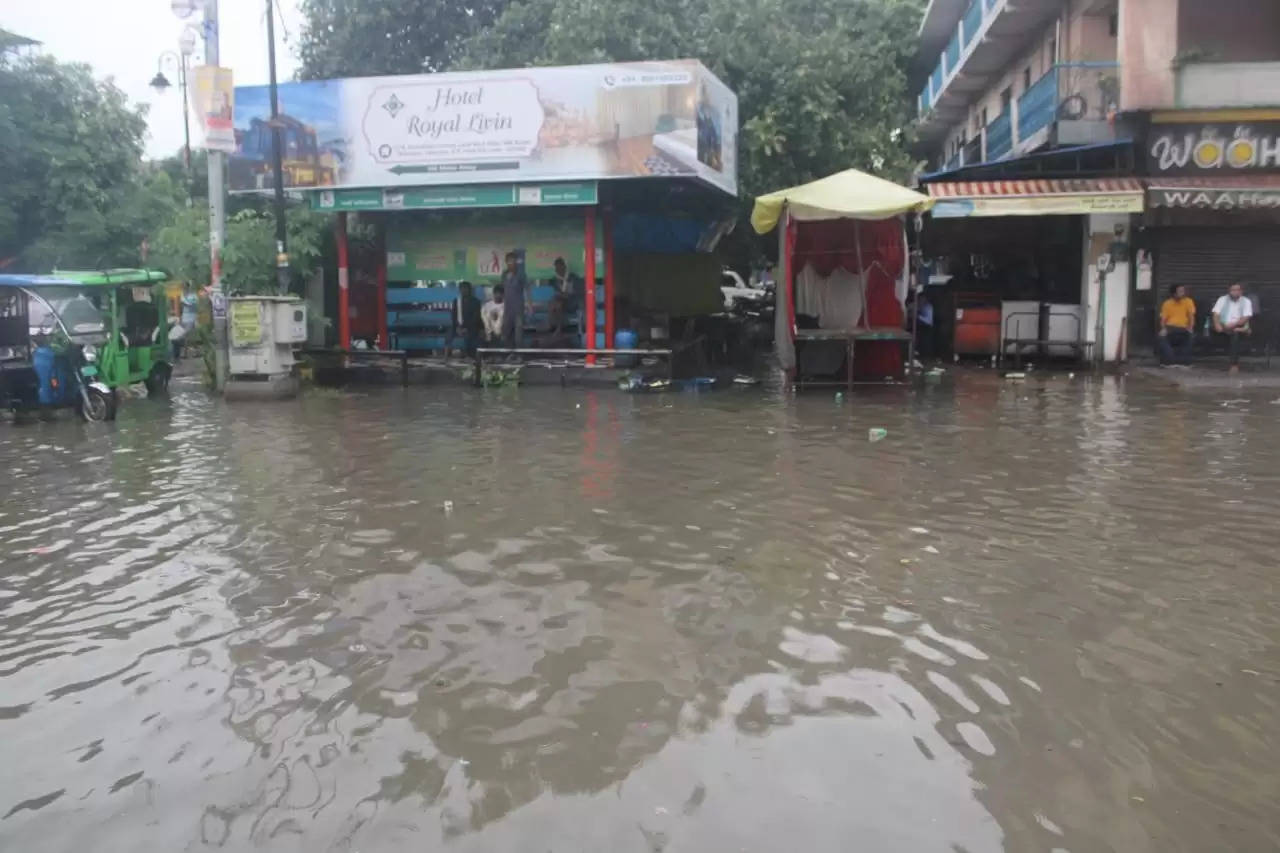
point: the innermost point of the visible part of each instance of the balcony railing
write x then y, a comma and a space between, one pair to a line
972, 21
971, 152
1038, 106
1000, 136
966, 33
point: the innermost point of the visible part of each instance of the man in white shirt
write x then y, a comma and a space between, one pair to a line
491, 314
1231, 315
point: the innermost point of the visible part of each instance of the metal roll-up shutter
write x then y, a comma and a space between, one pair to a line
1208, 260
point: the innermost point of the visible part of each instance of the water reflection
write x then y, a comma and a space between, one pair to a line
535, 619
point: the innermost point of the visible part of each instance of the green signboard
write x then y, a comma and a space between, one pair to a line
456, 197
474, 251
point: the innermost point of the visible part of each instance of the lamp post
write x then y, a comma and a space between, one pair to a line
282, 248
184, 9
161, 83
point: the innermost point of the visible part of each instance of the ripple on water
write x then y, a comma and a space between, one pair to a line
256, 627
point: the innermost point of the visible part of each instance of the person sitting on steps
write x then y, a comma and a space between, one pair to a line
1231, 315
1177, 320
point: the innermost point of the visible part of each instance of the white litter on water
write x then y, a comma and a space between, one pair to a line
919, 530
929, 549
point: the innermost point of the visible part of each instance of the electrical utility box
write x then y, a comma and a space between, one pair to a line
263, 332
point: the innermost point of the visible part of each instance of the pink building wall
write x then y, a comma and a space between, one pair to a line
1148, 45
1230, 30
1155, 33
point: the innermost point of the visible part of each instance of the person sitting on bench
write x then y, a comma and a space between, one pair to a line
1177, 320
491, 315
1231, 315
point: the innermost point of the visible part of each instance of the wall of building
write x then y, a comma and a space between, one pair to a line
1114, 307
1230, 30
1148, 45
1081, 34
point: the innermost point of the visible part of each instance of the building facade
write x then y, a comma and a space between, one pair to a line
1058, 132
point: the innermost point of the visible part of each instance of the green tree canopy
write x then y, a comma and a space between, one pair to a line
350, 38
248, 256
75, 192
821, 86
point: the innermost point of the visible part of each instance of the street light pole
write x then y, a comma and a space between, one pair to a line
186, 122
217, 218
282, 248
160, 83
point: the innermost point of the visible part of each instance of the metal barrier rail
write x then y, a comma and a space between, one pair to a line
1006, 340
481, 352
367, 354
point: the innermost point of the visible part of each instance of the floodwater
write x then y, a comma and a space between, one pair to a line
1035, 616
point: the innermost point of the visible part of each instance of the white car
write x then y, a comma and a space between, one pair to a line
734, 288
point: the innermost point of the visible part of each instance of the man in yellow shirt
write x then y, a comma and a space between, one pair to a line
1177, 322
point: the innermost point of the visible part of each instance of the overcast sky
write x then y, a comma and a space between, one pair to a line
124, 39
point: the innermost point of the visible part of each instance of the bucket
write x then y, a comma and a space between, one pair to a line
624, 339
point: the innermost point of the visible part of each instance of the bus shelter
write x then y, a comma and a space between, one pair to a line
610, 183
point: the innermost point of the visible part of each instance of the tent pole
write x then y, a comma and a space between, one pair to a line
609, 283
344, 292
589, 270
862, 273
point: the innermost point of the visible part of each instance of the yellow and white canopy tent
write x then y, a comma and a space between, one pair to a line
843, 251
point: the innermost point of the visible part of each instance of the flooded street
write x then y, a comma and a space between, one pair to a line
1035, 616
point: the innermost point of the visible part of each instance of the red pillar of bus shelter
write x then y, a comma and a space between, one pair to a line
344, 291
383, 341
589, 273
608, 278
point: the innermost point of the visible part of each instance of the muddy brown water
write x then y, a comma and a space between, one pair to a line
1036, 616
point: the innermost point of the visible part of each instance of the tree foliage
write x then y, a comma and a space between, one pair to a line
248, 255
74, 189
821, 86
351, 38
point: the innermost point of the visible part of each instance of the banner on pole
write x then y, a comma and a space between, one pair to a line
215, 99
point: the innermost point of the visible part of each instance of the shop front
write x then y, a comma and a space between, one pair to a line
1212, 215
1014, 266
609, 184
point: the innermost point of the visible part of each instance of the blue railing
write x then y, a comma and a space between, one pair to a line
972, 21
953, 53
1000, 136
1038, 106
935, 85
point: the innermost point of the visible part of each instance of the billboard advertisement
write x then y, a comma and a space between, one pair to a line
575, 123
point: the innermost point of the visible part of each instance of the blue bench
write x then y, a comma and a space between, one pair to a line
420, 319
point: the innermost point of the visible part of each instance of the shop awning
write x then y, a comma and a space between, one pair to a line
845, 195
1227, 192
953, 199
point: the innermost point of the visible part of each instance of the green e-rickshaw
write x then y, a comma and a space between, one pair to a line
134, 305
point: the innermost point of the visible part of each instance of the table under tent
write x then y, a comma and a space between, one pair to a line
841, 301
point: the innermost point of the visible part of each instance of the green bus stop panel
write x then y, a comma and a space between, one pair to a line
456, 197
113, 276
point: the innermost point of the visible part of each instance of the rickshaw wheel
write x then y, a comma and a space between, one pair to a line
158, 382
100, 407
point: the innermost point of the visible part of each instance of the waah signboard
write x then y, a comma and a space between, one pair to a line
1213, 148
576, 123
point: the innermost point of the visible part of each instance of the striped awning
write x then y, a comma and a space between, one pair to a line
1224, 192
1070, 196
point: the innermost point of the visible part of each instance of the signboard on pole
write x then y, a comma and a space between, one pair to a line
523, 126
214, 101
